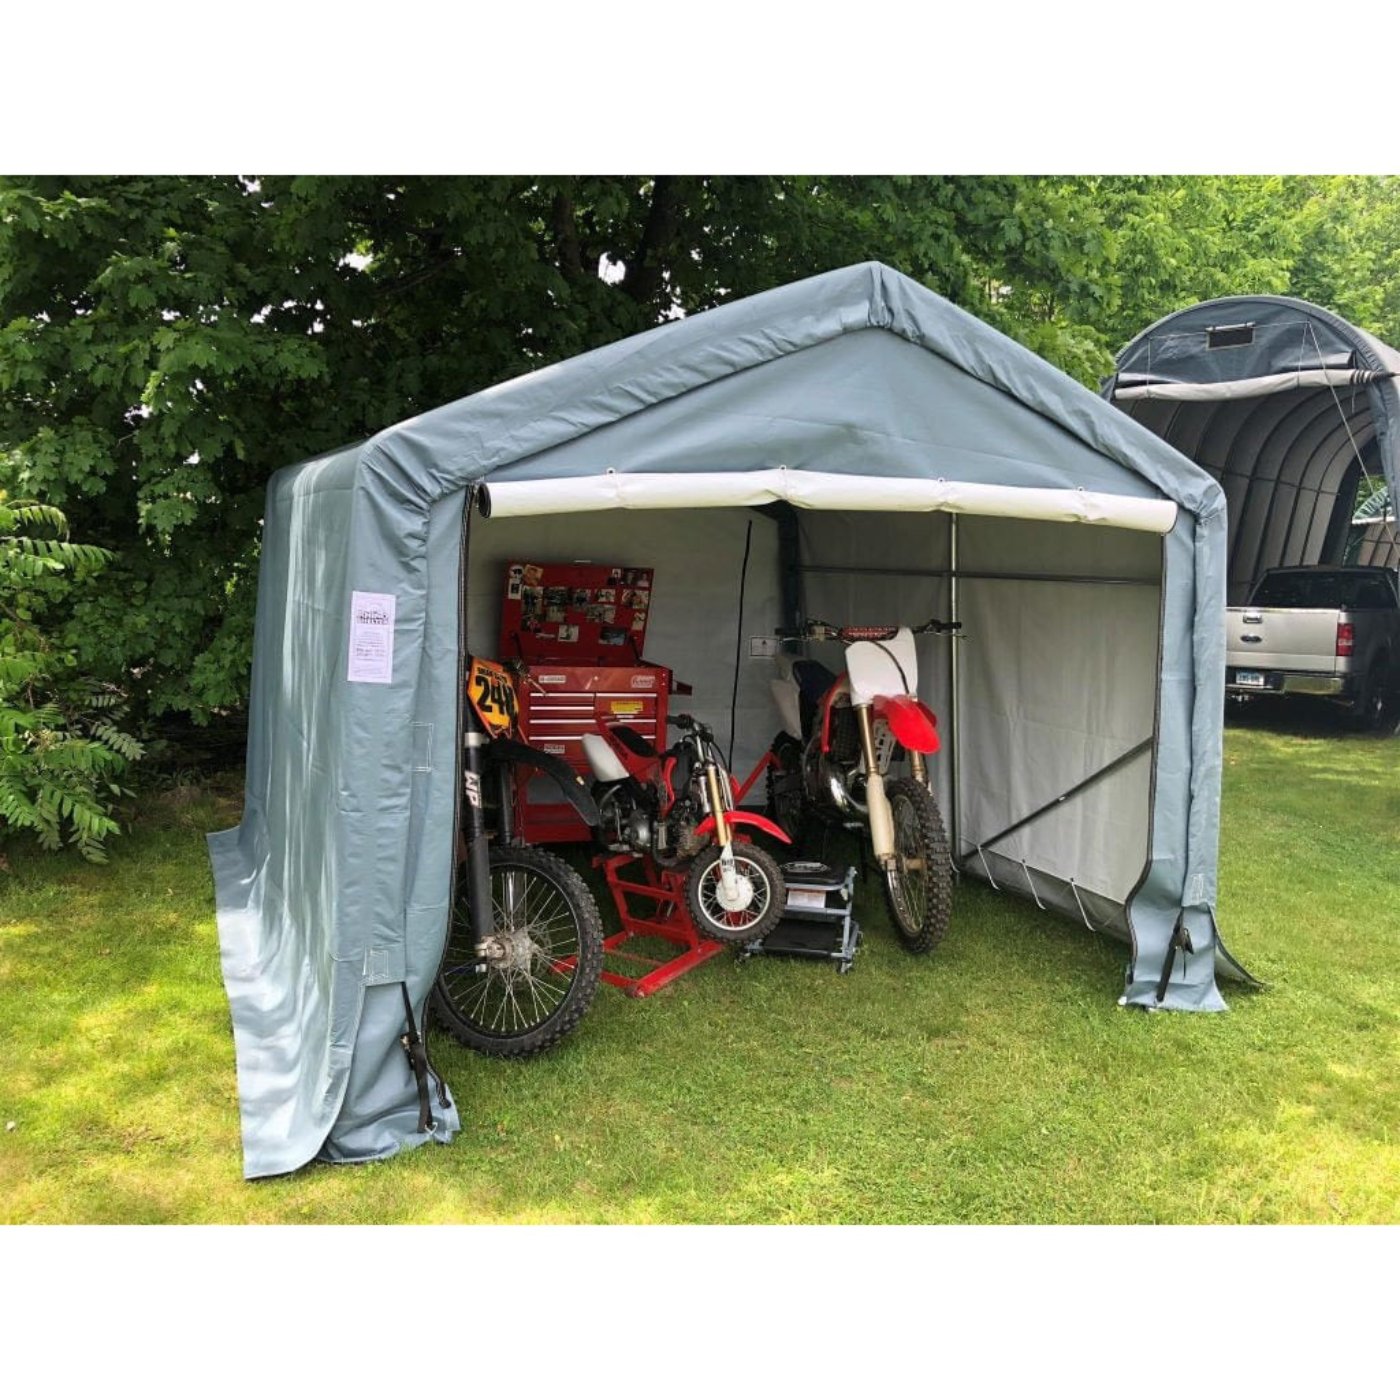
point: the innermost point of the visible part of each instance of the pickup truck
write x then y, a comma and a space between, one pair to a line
1319, 631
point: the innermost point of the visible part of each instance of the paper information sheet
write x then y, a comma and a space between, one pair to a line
372, 638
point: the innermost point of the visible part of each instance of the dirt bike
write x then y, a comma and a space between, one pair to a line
677, 808
524, 947
841, 734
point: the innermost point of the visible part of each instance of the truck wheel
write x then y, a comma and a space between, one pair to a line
1372, 704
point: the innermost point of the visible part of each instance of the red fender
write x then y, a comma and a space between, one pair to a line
910, 721
745, 819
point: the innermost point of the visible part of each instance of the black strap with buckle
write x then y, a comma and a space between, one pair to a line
412, 1044
1180, 939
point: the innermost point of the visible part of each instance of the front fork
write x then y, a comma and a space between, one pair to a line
476, 840
728, 876
877, 805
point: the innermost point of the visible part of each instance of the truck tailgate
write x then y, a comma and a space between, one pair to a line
1283, 639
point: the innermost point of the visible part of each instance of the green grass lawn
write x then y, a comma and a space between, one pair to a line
994, 1081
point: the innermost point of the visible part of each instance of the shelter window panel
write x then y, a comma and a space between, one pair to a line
1228, 337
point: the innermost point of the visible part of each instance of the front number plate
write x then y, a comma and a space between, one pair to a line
1250, 678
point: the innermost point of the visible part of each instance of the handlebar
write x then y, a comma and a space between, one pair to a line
683, 721
815, 630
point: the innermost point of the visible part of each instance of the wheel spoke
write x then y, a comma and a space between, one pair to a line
918, 879
525, 985
709, 887
908, 882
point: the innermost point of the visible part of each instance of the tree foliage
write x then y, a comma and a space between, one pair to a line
166, 343
61, 742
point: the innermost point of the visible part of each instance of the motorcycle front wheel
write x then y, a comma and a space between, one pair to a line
540, 972
758, 917
919, 882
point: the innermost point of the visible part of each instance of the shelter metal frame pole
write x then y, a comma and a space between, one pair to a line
954, 574
1065, 796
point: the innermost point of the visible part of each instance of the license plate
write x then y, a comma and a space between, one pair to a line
1250, 678
806, 899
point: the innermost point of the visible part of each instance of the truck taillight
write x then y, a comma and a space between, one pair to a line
1346, 638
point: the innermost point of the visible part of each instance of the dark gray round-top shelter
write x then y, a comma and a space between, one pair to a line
856, 448
1285, 404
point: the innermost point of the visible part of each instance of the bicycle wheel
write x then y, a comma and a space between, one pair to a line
526, 987
919, 884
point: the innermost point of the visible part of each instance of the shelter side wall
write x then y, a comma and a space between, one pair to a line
433, 777
694, 623
276, 875
1179, 894
380, 1107
391, 809
1058, 680
308, 756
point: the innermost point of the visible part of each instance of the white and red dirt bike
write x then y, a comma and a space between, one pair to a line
677, 808
841, 736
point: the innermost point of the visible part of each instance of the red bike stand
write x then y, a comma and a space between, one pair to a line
662, 892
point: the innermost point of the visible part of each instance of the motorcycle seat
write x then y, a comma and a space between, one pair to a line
630, 739
813, 679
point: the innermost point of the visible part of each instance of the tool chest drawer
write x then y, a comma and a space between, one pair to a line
559, 704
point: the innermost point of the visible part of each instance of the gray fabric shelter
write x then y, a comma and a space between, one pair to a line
889, 452
1284, 404
1375, 534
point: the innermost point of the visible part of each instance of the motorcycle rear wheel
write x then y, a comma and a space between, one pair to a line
737, 926
786, 804
546, 974
919, 885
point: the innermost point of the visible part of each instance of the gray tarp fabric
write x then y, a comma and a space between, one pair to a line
1284, 404
1375, 542
1374, 538
876, 415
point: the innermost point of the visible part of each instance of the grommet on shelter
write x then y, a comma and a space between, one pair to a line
896, 458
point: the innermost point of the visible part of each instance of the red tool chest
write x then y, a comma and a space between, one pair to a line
576, 631
559, 704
